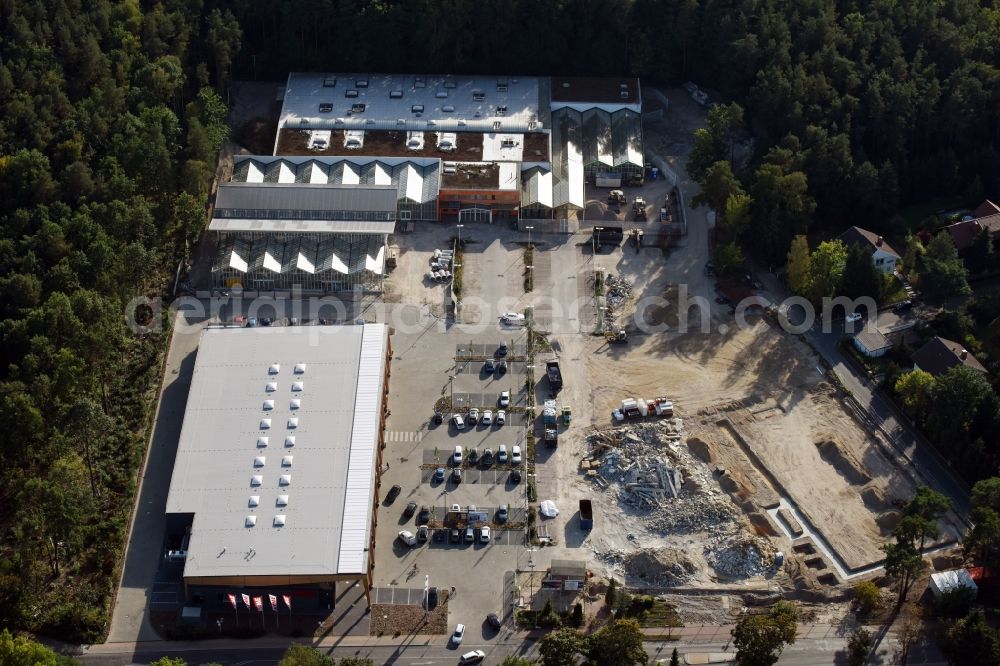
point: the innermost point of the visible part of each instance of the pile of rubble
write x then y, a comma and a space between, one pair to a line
618, 290
742, 557
653, 567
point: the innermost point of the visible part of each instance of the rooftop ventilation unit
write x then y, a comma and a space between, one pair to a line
478, 96
290, 441
286, 461
448, 108
271, 387
350, 93
268, 404
256, 480
417, 108
254, 501
624, 94
299, 369
395, 94
261, 442
297, 386
259, 461
502, 85
361, 83
496, 125
250, 521
358, 108
502, 110
330, 82
265, 424
449, 83
293, 423
285, 480
295, 404
279, 521
281, 501
419, 82
532, 126
441, 94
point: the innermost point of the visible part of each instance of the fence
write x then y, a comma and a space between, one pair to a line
546, 226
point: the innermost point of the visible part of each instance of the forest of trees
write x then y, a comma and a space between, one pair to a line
111, 116
110, 123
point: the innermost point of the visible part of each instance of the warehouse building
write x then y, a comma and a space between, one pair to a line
275, 480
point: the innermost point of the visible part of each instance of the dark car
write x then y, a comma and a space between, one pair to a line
432, 598
502, 366
410, 509
266, 321
393, 494
903, 306
438, 418
440, 536
456, 475
424, 515
515, 476
502, 349
422, 534
473, 456
455, 536
502, 514
493, 621
487, 458
439, 474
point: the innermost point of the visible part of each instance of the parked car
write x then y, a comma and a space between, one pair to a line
502, 513
491, 365
903, 306
484, 534
502, 454
515, 476
501, 417
473, 415
502, 366
438, 418
410, 509
487, 418
458, 421
439, 474
515, 454
455, 536
470, 535
473, 456
494, 621
473, 657
392, 495
432, 597
424, 515
457, 456
487, 457
407, 538
422, 534
502, 349
456, 475
504, 398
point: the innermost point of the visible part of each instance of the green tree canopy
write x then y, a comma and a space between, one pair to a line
972, 641
799, 266
759, 639
618, 644
861, 277
562, 647
943, 274
303, 655
719, 184
826, 269
915, 388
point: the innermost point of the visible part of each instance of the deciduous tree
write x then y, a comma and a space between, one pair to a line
618, 644
799, 268
759, 639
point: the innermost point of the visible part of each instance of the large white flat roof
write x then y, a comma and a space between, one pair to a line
412, 102
321, 485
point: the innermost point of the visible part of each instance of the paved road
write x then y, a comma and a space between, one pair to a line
430, 652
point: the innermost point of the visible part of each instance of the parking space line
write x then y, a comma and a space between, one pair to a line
404, 436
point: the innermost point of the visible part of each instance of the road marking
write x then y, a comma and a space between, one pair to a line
404, 436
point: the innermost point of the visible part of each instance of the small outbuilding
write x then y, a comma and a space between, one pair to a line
566, 575
949, 581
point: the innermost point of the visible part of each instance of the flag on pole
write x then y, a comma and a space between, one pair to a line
232, 600
288, 600
258, 603
246, 600
274, 602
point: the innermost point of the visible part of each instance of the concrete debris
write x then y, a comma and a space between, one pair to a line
740, 558
618, 290
653, 568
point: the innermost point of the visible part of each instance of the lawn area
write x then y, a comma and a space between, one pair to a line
893, 291
661, 614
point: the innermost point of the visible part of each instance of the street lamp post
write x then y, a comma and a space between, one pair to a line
593, 240
459, 227
529, 236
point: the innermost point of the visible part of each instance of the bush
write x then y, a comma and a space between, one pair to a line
549, 618
612, 594
576, 620
867, 595
956, 603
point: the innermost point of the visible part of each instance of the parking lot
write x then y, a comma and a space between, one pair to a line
435, 365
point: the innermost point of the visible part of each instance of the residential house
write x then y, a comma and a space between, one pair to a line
883, 256
940, 355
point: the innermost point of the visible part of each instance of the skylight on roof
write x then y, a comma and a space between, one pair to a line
290, 441
293, 422
259, 461
279, 521
265, 424
298, 386
281, 501
254, 501
268, 404
250, 521
286, 461
256, 480
285, 480
295, 404
271, 387
261, 442
300, 368
274, 369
